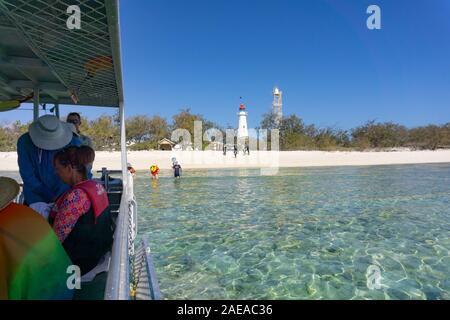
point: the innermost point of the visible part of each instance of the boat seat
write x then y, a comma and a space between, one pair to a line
102, 266
93, 283
114, 189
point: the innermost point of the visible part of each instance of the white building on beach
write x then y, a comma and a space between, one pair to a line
242, 133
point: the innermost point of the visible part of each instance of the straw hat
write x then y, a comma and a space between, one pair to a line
50, 133
9, 189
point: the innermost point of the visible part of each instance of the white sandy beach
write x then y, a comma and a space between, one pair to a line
141, 160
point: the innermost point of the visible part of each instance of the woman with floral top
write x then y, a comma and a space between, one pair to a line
81, 218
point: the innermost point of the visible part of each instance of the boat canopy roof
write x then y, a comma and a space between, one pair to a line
68, 66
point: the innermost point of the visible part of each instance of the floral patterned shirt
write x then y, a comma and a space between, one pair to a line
74, 204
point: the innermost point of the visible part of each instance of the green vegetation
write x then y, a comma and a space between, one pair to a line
10, 134
104, 132
144, 132
391, 135
295, 135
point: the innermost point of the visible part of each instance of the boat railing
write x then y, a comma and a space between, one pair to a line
145, 282
133, 223
118, 282
131, 274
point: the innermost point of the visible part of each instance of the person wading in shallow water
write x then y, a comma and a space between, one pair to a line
177, 170
131, 169
154, 170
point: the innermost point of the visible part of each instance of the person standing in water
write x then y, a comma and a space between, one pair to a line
154, 170
177, 170
131, 169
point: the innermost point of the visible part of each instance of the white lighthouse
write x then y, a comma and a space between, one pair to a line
242, 133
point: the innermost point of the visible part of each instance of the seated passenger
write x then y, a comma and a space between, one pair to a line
75, 119
81, 216
33, 263
35, 150
87, 156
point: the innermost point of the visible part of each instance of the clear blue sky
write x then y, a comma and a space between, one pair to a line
205, 54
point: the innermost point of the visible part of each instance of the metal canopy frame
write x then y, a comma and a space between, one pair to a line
39, 54
39, 51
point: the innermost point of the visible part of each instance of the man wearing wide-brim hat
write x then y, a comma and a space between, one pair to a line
36, 149
33, 263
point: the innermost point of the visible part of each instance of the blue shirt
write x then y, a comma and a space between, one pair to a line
40, 181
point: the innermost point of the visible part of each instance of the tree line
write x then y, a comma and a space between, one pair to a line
296, 135
143, 133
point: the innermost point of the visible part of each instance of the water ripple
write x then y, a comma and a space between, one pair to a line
304, 234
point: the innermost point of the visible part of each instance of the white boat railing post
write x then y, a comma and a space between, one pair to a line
118, 283
123, 145
57, 111
36, 104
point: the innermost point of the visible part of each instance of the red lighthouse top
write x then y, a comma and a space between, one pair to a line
242, 107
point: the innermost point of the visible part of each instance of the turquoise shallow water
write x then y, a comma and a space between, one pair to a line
303, 234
